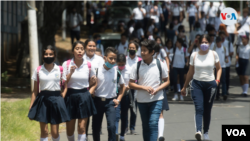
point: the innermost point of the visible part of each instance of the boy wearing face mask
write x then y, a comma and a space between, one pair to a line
105, 97
97, 39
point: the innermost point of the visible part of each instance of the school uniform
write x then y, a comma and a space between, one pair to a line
230, 49
245, 23
176, 11
150, 106
212, 11
203, 87
194, 33
78, 100
105, 93
203, 22
100, 46
170, 57
96, 61
222, 53
179, 65
244, 54
49, 100
191, 13
122, 48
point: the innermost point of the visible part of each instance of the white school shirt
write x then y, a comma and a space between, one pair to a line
203, 8
107, 82
245, 22
151, 29
191, 11
203, 23
126, 76
138, 13
100, 46
170, 51
179, 59
130, 62
244, 51
212, 11
122, 49
80, 78
230, 28
155, 18
161, 55
185, 40
204, 65
176, 10
222, 54
49, 81
73, 20
96, 61
230, 50
217, 23
149, 76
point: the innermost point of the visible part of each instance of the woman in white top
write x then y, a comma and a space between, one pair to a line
176, 12
47, 103
242, 59
78, 99
203, 86
162, 53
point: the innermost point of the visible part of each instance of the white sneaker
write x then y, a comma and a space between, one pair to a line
198, 135
175, 97
181, 97
206, 137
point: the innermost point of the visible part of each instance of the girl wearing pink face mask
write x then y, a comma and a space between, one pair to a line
122, 109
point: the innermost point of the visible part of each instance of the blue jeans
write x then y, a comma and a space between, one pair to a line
223, 83
150, 113
108, 108
202, 94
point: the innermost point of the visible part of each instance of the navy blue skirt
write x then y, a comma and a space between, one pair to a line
242, 66
79, 103
165, 101
49, 107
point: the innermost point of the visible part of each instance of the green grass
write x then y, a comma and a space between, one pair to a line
15, 125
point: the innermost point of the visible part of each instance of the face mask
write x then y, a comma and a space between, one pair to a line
121, 67
49, 60
98, 41
204, 47
132, 52
109, 65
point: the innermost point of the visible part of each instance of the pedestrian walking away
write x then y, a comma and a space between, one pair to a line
203, 85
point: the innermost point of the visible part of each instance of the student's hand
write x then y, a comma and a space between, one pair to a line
63, 95
116, 102
149, 89
72, 69
155, 91
92, 81
183, 91
127, 88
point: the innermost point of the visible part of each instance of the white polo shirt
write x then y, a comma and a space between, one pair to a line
107, 82
230, 50
96, 61
149, 76
126, 75
203, 22
244, 51
161, 55
170, 56
245, 22
176, 10
179, 58
130, 62
138, 13
100, 46
80, 78
203, 8
212, 11
191, 11
122, 48
222, 54
49, 81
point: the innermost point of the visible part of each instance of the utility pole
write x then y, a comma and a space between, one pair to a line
64, 24
241, 7
33, 40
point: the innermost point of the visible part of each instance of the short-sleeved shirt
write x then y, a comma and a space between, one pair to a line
204, 65
162, 54
138, 13
203, 8
212, 11
73, 20
244, 51
230, 49
49, 81
222, 54
203, 22
176, 10
191, 11
149, 76
130, 62
245, 22
170, 56
80, 78
96, 61
107, 82
122, 48
179, 57
126, 75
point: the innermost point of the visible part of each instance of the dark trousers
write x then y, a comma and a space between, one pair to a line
74, 34
222, 82
191, 21
227, 77
231, 35
176, 17
108, 108
202, 94
176, 72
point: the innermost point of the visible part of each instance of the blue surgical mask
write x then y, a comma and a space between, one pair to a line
109, 65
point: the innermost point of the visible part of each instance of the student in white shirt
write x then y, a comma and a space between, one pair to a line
203, 21
138, 13
212, 41
194, 47
242, 59
149, 89
176, 12
97, 39
217, 21
106, 98
192, 16
162, 53
223, 54
122, 47
203, 86
169, 50
203, 8
47, 97
242, 26
197, 31
90, 55
138, 50
179, 61
211, 14
78, 99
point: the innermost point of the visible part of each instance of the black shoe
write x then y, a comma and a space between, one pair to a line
217, 98
224, 97
161, 139
245, 95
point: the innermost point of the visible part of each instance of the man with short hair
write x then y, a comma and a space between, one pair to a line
138, 13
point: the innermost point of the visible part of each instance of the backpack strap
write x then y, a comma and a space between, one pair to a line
159, 68
137, 71
89, 66
37, 70
174, 49
118, 79
139, 59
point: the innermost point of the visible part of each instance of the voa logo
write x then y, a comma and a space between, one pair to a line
228, 16
236, 132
